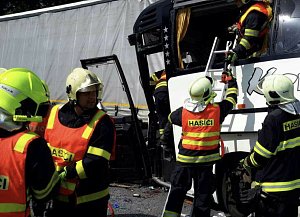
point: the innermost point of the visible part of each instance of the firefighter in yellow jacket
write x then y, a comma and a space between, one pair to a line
27, 169
199, 145
252, 29
274, 160
81, 138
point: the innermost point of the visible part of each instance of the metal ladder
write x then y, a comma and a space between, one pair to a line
217, 73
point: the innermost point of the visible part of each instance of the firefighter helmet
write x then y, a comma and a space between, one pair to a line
201, 89
24, 96
277, 89
82, 80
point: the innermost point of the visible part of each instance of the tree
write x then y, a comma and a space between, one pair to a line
17, 6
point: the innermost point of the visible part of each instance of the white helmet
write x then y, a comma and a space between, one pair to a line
82, 80
277, 89
201, 89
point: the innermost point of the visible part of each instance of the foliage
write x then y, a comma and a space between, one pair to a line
16, 6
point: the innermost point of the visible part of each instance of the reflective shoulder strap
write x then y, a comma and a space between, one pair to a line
24, 140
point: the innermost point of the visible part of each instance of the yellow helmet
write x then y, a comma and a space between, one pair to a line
201, 89
23, 95
82, 80
277, 89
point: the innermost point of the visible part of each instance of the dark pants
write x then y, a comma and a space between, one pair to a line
181, 182
162, 108
277, 207
97, 208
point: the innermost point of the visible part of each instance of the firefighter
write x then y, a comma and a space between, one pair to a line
252, 29
81, 138
161, 98
275, 157
199, 145
27, 169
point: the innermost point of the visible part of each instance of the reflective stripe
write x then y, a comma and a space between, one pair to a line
99, 152
193, 134
213, 143
279, 186
58, 168
89, 129
259, 149
254, 163
198, 159
161, 84
170, 214
292, 143
161, 131
231, 100
67, 187
23, 140
265, 9
191, 140
245, 43
232, 90
91, 197
154, 77
12, 207
40, 194
251, 32
80, 170
51, 118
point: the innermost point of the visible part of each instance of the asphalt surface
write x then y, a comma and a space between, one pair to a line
132, 200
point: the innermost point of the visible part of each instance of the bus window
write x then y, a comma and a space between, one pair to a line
288, 32
203, 27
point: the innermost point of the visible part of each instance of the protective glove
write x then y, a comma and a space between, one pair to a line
227, 76
67, 181
163, 143
232, 29
231, 57
251, 195
247, 170
69, 172
41, 209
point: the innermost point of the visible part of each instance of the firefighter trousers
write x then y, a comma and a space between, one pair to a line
162, 108
271, 206
181, 181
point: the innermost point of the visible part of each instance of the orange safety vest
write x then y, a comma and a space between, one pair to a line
263, 8
13, 192
200, 134
70, 147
